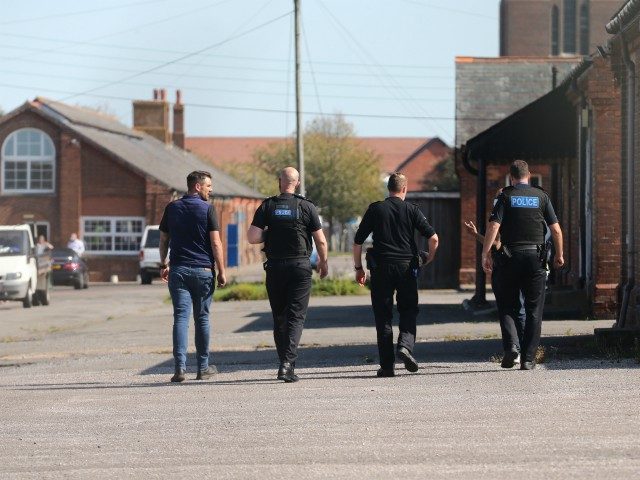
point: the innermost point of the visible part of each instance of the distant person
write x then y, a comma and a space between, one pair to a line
190, 227
394, 265
286, 224
42, 245
76, 244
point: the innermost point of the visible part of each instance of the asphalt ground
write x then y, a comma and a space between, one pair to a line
84, 393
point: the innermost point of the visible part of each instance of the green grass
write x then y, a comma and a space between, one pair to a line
319, 288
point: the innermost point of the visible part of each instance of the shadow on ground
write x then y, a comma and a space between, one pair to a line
362, 316
560, 353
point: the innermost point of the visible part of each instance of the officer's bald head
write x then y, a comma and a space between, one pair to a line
289, 179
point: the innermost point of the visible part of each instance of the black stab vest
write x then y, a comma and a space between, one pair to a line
523, 221
287, 236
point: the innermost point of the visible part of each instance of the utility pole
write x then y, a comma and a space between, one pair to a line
299, 132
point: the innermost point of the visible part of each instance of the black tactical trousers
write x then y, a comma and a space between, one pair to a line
387, 279
288, 287
522, 272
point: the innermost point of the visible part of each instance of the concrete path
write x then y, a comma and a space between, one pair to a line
84, 394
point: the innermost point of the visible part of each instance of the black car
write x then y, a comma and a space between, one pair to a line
67, 268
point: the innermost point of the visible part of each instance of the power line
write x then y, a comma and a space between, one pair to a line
76, 13
234, 57
234, 79
250, 109
209, 89
165, 64
209, 65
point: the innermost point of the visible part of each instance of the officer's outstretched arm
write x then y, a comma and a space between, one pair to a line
255, 235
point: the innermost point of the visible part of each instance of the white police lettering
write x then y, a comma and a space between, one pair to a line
282, 212
525, 202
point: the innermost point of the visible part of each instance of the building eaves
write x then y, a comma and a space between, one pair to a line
623, 17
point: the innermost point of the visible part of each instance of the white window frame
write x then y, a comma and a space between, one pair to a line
537, 176
29, 159
112, 233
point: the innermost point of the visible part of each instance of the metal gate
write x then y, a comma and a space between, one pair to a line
442, 210
233, 250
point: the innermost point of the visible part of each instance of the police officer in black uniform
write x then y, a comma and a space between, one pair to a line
286, 224
520, 215
394, 266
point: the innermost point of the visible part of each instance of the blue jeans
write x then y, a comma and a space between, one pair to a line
191, 286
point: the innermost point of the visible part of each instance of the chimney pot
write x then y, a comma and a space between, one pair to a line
155, 94
163, 94
178, 97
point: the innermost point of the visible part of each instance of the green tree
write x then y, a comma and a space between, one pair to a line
342, 177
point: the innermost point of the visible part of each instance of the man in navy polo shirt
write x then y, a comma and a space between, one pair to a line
190, 228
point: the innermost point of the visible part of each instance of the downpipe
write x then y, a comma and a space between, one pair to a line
630, 151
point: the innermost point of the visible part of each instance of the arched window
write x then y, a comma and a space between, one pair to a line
569, 26
555, 30
584, 28
28, 162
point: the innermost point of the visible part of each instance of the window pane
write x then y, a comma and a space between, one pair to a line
97, 226
35, 148
127, 243
8, 147
23, 136
48, 147
23, 148
34, 136
97, 243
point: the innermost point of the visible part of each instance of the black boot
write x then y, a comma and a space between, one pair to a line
286, 372
179, 375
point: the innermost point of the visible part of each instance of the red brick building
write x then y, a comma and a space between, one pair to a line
553, 27
571, 138
624, 46
67, 169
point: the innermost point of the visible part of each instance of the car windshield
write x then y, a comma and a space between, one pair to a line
153, 239
14, 242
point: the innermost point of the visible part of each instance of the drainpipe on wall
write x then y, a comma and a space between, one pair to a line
630, 151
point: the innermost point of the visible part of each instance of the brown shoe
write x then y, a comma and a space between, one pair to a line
178, 376
210, 371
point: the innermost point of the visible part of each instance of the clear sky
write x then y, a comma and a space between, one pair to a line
371, 60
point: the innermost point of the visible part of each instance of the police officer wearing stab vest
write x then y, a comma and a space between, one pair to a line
286, 224
519, 216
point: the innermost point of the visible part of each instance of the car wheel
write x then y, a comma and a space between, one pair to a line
27, 301
85, 284
145, 278
77, 283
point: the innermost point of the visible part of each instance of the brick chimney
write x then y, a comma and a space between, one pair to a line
152, 116
178, 121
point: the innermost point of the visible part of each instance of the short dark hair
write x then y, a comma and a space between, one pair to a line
197, 176
519, 169
396, 182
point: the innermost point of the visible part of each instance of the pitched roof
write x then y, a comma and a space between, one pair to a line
219, 150
166, 163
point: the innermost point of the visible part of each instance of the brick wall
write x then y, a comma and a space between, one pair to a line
603, 97
526, 25
424, 165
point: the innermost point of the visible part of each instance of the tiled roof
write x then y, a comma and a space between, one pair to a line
166, 163
219, 150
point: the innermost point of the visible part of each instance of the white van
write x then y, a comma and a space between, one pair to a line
150, 254
24, 276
